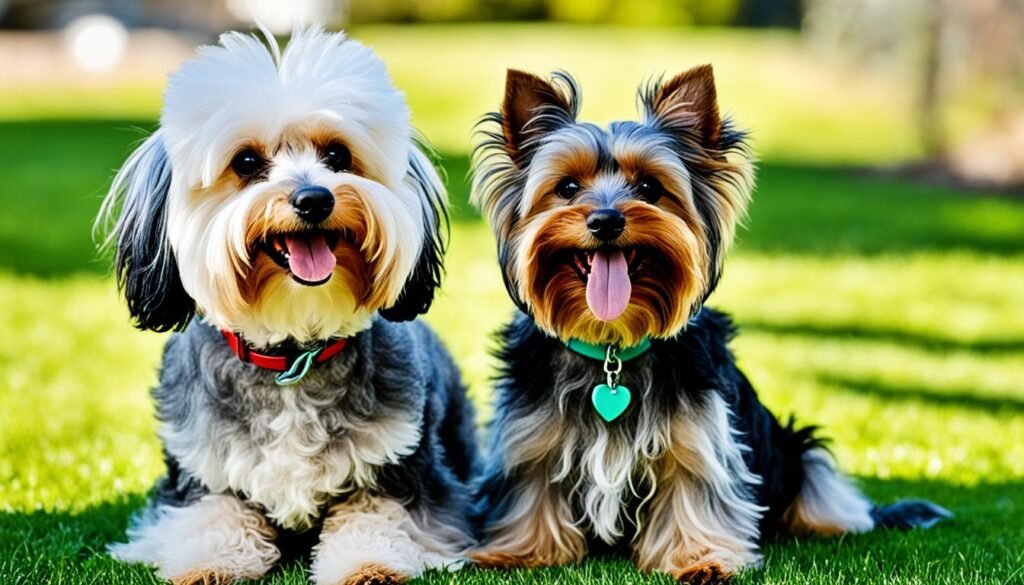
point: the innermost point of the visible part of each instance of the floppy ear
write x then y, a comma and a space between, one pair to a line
532, 108
146, 270
418, 293
687, 101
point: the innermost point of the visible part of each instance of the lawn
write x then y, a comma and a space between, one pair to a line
890, 313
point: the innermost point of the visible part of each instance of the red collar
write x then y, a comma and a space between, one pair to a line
277, 363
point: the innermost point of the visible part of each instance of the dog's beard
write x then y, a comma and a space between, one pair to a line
255, 268
660, 266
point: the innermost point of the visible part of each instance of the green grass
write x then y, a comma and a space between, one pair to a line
801, 108
892, 314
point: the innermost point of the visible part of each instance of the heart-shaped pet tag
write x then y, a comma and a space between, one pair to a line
610, 402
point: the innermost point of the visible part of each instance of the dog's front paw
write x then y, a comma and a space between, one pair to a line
376, 575
204, 577
704, 574
501, 559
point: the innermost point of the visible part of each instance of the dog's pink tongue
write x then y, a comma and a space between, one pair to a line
309, 257
608, 286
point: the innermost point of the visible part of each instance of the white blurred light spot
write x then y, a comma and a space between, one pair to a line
280, 16
96, 42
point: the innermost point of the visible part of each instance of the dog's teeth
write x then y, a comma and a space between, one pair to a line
280, 245
581, 263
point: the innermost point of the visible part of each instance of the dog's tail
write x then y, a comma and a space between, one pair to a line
907, 514
829, 504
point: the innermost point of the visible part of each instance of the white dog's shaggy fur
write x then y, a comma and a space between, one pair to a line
286, 201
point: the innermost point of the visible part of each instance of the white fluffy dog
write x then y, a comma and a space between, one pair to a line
285, 200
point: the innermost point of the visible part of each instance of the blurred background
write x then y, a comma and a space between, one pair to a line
879, 283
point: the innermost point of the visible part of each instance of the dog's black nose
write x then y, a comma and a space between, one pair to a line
312, 203
606, 224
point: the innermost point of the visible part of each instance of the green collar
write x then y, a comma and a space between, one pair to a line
600, 352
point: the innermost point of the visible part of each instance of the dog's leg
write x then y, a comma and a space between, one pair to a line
216, 540
702, 526
370, 540
828, 504
536, 529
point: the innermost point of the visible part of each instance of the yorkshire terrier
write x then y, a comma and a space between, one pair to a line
622, 424
287, 221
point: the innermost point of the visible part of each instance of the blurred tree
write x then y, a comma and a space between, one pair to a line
966, 60
778, 13
646, 12
513, 9
932, 126
209, 18
415, 10
590, 12
626, 12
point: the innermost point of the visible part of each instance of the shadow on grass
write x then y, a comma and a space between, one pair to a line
819, 210
962, 398
55, 175
876, 334
981, 544
983, 540
56, 172
64, 547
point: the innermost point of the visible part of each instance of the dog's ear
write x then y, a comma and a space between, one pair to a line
713, 150
534, 107
418, 293
687, 101
147, 272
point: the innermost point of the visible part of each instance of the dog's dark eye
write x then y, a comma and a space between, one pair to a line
567, 188
649, 189
248, 163
337, 157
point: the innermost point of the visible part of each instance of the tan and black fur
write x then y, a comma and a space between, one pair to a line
697, 472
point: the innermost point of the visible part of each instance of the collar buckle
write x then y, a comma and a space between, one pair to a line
612, 365
299, 368
292, 369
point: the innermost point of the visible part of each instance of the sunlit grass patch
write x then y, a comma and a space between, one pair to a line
76, 422
939, 300
911, 362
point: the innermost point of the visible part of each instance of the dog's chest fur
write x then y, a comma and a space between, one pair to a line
609, 471
288, 449
605, 468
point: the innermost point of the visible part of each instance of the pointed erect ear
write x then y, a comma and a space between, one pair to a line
688, 99
418, 293
532, 107
146, 269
